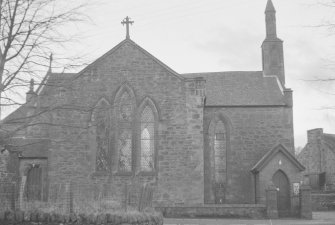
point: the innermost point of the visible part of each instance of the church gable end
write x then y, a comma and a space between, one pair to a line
124, 59
135, 119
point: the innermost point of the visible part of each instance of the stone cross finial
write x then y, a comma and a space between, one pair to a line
126, 22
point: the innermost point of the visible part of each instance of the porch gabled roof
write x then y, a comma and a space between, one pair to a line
270, 155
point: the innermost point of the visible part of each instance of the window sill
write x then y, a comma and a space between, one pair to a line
100, 173
123, 173
147, 173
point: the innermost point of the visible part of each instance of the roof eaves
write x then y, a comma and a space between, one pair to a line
247, 106
12, 116
204, 74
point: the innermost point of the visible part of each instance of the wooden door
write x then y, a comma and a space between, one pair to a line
280, 180
34, 184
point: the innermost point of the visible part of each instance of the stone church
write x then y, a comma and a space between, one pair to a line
198, 138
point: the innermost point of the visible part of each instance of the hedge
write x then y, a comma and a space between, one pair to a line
29, 218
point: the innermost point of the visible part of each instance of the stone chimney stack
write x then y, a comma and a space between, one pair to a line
314, 136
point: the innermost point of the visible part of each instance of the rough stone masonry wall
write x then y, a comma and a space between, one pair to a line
330, 167
249, 211
179, 175
8, 166
4, 159
253, 132
323, 201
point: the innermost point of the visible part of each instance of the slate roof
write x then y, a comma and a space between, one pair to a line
18, 116
329, 139
51, 80
240, 88
30, 147
55, 80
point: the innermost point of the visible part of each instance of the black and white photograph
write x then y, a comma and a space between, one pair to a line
167, 112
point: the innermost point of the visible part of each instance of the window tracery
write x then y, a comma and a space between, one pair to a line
124, 142
147, 139
220, 152
125, 151
117, 149
101, 119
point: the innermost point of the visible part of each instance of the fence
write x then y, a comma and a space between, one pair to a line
71, 197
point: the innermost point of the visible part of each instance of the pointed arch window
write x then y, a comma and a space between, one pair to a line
101, 120
126, 108
147, 140
125, 137
125, 150
220, 152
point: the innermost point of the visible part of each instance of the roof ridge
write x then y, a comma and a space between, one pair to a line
231, 71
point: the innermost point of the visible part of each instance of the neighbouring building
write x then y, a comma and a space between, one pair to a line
318, 157
200, 138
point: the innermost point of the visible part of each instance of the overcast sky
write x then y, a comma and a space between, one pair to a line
226, 35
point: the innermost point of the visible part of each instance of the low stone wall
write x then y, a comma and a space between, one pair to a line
251, 211
323, 201
30, 218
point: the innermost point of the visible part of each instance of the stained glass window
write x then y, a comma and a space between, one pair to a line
147, 139
124, 142
126, 107
101, 118
220, 152
125, 150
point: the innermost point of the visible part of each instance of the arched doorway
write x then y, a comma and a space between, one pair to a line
281, 181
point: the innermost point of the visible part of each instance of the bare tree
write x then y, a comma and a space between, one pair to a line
324, 81
28, 31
